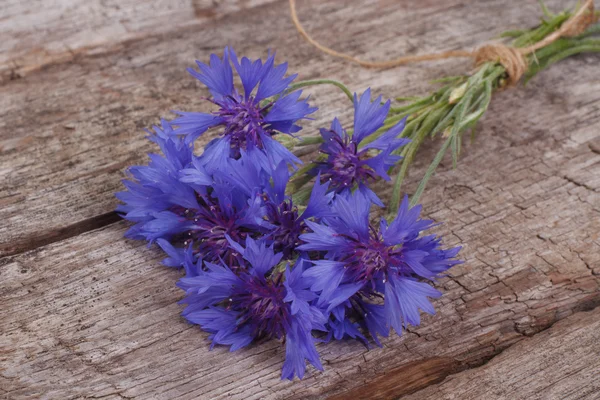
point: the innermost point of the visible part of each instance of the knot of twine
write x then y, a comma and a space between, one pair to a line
514, 60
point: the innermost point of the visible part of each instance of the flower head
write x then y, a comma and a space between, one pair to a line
261, 301
155, 193
281, 220
250, 119
364, 263
350, 165
223, 212
176, 199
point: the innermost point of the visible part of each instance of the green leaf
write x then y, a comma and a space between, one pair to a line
451, 79
409, 151
462, 107
301, 196
560, 55
512, 34
301, 177
409, 98
545, 10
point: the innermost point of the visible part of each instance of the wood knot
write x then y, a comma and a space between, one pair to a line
510, 58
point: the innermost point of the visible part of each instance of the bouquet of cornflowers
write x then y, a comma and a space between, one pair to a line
272, 250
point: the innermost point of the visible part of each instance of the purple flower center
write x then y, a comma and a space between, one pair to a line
371, 259
288, 227
208, 234
345, 165
261, 305
243, 121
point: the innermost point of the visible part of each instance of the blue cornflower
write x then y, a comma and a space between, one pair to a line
282, 221
262, 300
364, 264
175, 199
350, 165
249, 120
223, 211
155, 195
284, 218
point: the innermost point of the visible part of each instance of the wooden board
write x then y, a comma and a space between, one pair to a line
86, 313
59, 125
37, 33
560, 363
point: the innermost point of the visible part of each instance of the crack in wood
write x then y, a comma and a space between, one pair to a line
56, 235
406, 379
418, 375
579, 184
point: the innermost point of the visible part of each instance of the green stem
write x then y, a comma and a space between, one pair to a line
436, 161
315, 82
310, 140
592, 30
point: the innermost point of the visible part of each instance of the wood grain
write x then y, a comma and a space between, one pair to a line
89, 314
57, 126
560, 363
39, 33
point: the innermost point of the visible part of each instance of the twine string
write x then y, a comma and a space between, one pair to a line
512, 59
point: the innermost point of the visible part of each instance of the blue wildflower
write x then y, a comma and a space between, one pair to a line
223, 212
263, 300
284, 218
249, 120
155, 194
364, 264
175, 199
350, 165
280, 218
339, 327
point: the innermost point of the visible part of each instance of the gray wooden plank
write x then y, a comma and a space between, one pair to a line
560, 363
38, 33
95, 315
68, 132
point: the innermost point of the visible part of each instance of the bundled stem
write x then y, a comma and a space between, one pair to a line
458, 105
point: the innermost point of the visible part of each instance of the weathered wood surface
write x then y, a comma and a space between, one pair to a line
93, 315
39, 33
59, 125
560, 363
